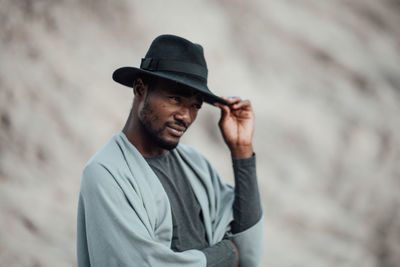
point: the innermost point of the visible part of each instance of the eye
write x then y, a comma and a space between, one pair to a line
175, 99
197, 106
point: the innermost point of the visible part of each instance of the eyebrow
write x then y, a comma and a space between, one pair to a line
181, 91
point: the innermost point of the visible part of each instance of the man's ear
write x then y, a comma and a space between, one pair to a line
139, 88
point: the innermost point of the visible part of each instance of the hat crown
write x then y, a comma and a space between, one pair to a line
176, 48
175, 59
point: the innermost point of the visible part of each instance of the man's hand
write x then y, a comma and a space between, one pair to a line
237, 126
237, 254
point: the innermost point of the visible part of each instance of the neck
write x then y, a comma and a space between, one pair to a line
137, 135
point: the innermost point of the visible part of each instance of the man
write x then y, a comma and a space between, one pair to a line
147, 200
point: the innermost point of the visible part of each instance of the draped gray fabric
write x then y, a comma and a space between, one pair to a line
124, 215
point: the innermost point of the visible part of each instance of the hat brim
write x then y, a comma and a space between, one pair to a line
127, 75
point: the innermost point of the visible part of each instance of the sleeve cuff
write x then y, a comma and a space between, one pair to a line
244, 162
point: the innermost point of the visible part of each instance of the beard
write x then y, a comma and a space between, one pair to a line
155, 134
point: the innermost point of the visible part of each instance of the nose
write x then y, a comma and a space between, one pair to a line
184, 115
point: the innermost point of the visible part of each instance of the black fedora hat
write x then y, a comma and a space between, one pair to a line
173, 58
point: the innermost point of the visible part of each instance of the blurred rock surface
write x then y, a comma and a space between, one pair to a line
324, 79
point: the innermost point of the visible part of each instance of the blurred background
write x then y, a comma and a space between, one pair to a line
324, 79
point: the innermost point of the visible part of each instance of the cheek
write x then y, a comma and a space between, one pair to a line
164, 111
193, 114
147, 114
158, 114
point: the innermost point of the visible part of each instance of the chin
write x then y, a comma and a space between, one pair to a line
167, 144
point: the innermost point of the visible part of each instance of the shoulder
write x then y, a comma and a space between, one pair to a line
95, 176
110, 153
98, 170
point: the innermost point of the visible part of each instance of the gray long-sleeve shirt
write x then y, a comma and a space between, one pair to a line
188, 227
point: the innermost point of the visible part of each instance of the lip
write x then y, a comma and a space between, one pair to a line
176, 130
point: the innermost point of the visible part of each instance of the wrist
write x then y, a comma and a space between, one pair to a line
242, 151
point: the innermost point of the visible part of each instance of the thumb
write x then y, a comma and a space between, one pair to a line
224, 109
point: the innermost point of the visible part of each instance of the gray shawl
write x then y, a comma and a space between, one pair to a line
124, 215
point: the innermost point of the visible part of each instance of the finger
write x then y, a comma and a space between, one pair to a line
245, 104
224, 108
232, 100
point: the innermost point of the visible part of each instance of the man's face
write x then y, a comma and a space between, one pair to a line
168, 110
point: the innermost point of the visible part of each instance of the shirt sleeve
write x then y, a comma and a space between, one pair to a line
222, 254
247, 209
221, 196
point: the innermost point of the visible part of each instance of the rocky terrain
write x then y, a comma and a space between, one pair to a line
324, 79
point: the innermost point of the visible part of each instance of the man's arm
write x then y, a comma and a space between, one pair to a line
247, 209
219, 197
237, 128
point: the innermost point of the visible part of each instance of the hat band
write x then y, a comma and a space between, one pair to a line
173, 65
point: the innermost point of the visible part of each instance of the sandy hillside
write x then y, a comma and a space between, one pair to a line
324, 79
